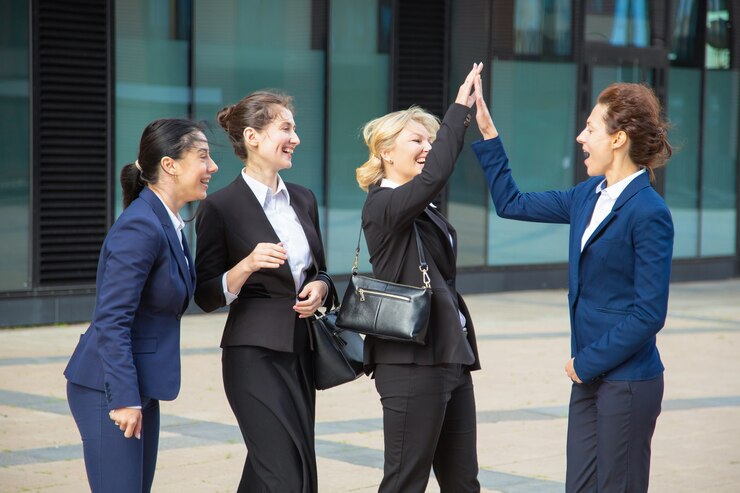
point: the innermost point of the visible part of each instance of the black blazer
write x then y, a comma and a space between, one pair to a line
387, 220
229, 224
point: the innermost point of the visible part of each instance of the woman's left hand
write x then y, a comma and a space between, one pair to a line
570, 370
314, 292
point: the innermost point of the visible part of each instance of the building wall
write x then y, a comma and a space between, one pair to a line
545, 63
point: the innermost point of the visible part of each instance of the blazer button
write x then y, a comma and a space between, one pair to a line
449, 282
179, 316
467, 120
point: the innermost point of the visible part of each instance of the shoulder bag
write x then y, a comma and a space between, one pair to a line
385, 309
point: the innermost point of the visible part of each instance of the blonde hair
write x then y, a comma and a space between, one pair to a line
380, 135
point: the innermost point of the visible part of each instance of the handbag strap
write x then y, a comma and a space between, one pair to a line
423, 266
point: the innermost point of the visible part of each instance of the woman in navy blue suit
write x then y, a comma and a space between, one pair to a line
129, 357
621, 245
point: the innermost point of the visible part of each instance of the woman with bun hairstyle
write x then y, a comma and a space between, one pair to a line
621, 245
260, 252
426, 390
129, 358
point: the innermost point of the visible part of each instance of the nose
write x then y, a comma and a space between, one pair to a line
580, 139
427, 145
212, 167
294, 139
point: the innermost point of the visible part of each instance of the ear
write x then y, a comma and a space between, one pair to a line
386, 155
619, 139
251, 137
168, 165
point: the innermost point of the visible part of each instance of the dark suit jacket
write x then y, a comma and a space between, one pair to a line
387, 220
230, 223
143, 285
618, 285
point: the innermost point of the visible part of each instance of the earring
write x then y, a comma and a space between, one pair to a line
390, 161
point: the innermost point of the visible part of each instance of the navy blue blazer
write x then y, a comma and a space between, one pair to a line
144, 283
618, 284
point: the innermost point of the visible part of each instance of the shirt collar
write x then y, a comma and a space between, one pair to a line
261, 190
614, 191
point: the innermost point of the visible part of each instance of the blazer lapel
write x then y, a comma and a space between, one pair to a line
177, 250
635, 186
446, 228
309, 228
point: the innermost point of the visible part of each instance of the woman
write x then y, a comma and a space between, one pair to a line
129, 358
621, 242
426, 391
260, 252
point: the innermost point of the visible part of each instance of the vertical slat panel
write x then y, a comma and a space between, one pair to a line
72, 118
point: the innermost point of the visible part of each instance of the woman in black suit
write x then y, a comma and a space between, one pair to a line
426, 391
260, 252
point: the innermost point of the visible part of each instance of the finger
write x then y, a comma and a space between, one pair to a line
139, 427
129, 431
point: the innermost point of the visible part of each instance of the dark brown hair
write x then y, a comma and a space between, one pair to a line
634, 109
256, 110
165, 137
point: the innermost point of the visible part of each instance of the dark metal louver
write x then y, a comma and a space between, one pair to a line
421, 55
71, 138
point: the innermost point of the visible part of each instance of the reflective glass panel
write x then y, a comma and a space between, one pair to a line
358, 78
14, 127
682, 171
618, 22
536, 123
719, 158
152, 42
543, 27
685, 49
245, 45
719, 39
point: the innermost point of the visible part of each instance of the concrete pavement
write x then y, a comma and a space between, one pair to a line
521, 393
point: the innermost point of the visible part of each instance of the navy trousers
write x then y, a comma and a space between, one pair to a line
610, 427
114, 463
428, 422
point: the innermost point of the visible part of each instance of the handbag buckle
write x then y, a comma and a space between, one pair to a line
425, 276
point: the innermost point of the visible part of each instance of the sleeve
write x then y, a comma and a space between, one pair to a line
510, 203
210, 258
653, 243
405, 203
229, 297
130, 252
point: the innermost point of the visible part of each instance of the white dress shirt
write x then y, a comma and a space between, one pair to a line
385, 182
607, 198
288, 228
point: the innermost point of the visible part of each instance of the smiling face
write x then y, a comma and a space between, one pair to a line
407, 157
195, 168
274, 145
597, 143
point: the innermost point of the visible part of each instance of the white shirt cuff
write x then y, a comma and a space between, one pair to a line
230, 297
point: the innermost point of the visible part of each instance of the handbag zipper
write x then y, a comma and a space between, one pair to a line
362, 292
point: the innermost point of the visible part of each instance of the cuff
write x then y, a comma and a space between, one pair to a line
230, 297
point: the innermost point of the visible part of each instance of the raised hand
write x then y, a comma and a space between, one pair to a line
482, 115
465, 94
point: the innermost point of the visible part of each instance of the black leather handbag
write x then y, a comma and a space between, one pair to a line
337, 353
385, 309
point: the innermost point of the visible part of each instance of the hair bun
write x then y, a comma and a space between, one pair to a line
224, 115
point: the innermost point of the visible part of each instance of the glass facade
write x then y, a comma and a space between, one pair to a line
190, 58
15, 127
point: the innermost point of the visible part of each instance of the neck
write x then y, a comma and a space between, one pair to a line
262, 174
620, 171
168, 197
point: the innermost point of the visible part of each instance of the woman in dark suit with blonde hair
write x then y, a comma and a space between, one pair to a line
426, 391
260, 252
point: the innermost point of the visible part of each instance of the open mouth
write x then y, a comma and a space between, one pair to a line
205, 182
289, 151
421, 161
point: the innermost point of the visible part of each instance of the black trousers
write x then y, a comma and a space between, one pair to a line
273, 398
610, 427
428, 421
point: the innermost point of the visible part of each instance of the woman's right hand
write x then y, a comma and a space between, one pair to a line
464, 94
482, 115
265, 256
128, 420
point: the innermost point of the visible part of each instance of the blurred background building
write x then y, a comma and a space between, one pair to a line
79, 80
